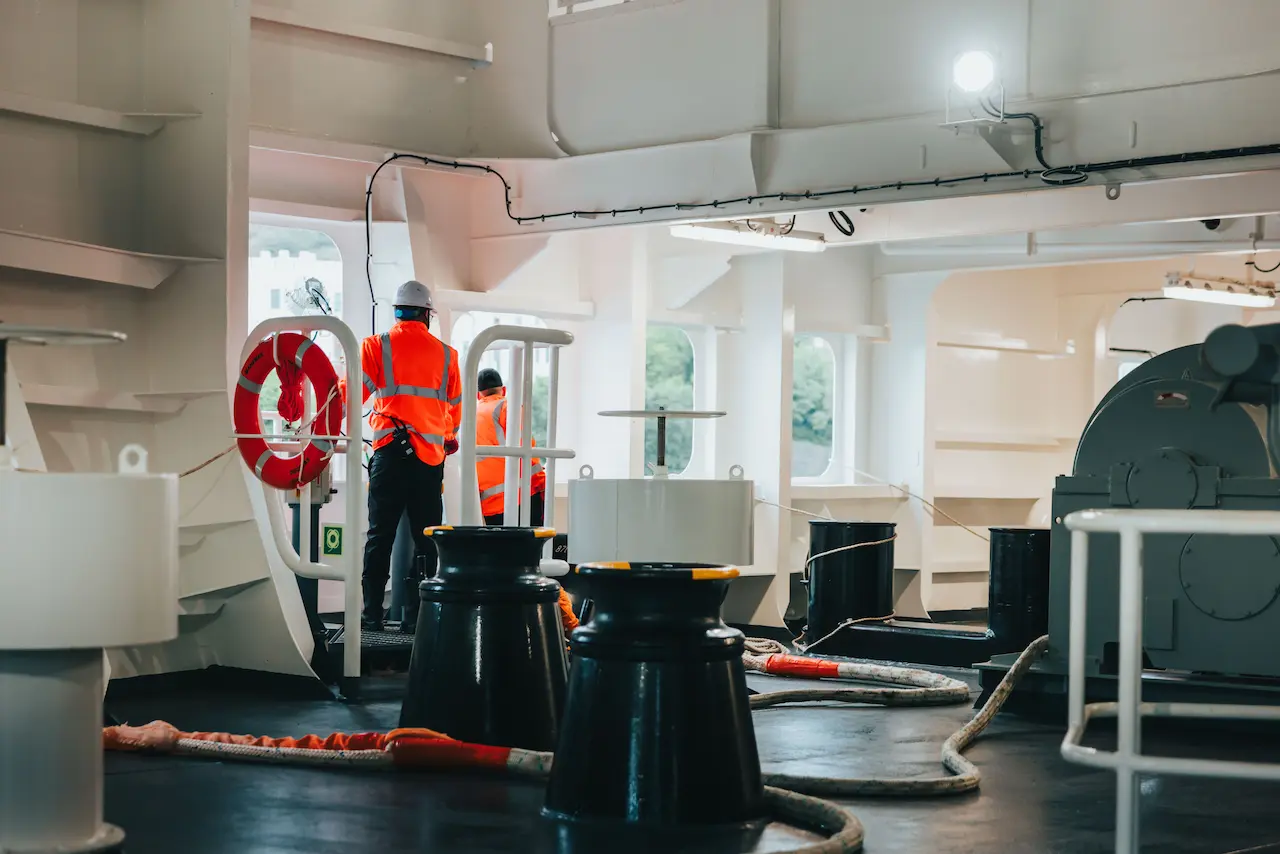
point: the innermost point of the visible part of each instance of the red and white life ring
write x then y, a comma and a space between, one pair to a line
287, 471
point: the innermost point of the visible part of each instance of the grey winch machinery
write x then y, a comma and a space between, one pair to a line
1194, 428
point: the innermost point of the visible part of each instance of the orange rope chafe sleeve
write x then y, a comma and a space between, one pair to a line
164, 737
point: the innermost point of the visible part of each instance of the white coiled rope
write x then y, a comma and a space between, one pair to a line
928, 689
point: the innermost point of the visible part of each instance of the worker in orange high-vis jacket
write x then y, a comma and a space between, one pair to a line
413, 377
491, 429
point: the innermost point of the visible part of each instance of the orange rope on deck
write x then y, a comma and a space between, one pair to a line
423, 748
404, 748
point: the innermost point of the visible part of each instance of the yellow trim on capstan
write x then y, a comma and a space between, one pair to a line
711, 574
434, 528
544, 533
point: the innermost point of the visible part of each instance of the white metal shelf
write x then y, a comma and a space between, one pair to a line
190, 536
958, 440
184, 396
77, 397
209, 521
1018, 347
22, 250
66, 112
755, 572
944, 567
316, 21
981, 492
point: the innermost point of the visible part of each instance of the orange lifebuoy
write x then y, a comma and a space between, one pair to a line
287, 471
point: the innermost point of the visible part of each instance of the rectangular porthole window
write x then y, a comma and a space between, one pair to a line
668, 382
812, 407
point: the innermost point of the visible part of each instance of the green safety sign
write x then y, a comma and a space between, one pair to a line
332, 541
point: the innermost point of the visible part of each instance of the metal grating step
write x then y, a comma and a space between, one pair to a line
392, 640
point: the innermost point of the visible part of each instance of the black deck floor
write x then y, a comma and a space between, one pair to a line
1031, 800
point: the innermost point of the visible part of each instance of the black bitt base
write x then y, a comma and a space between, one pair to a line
489, 664
679, 719
591, 837
914, 643
1042, 693
657, 726
1017, 600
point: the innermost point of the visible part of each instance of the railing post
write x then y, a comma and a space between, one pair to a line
515, 404
1129, 742
553, 421
348, 568
1079, 599
467, 452
1127, 760
526, 439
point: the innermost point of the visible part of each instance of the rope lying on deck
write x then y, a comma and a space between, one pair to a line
926, 689
789, 797
427, 749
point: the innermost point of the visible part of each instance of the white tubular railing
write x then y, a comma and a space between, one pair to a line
520, 387
1127, 759
348, 568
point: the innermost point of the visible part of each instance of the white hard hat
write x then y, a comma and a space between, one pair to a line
413, 293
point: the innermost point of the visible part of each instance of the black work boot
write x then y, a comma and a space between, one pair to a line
371, 617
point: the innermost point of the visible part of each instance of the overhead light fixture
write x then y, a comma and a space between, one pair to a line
1222, 291
974, 71
764, 234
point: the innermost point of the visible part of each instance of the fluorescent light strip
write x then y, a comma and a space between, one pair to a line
796, 241
1220, 297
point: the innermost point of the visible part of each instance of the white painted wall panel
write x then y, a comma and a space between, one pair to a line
60, 180
854, 60
688, 70
324, 85
831, 289
1085, 46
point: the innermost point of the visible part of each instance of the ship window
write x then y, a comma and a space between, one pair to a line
812, 406
293, 271
1125, 367
668, 382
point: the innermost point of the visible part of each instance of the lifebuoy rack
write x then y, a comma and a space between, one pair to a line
346, 568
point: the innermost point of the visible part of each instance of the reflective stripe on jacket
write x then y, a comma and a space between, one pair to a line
491, 429
413, 377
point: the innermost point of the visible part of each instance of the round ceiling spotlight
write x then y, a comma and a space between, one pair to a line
974, 71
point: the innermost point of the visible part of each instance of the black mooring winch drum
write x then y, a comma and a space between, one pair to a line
1018, 598
852, 583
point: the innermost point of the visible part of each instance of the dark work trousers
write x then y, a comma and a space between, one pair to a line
537, 512
398, 482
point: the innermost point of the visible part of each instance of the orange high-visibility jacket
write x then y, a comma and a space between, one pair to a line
413, 377
491, 429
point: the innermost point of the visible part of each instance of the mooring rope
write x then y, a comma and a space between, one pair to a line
929, 689
790, 798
